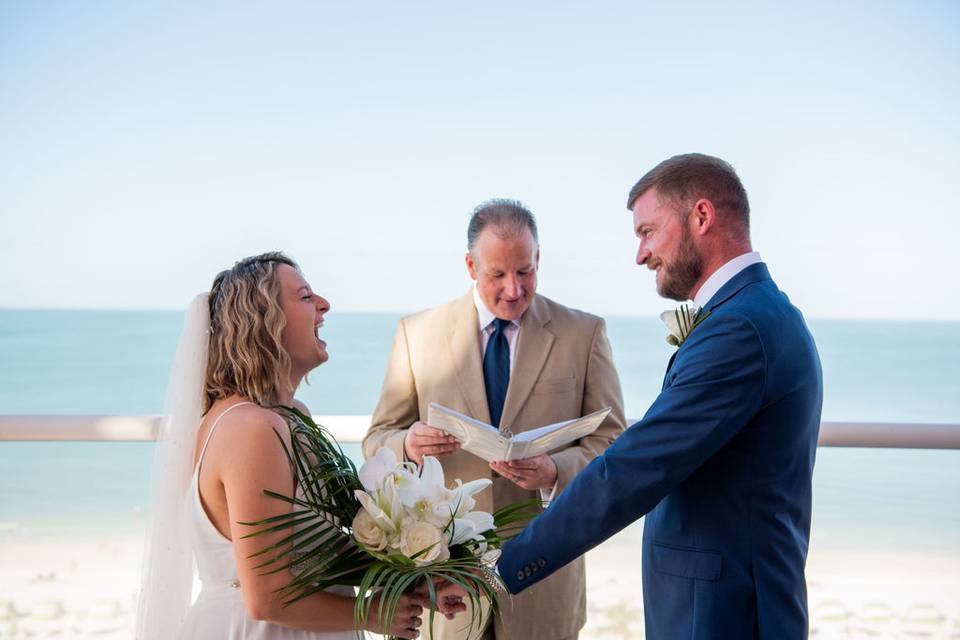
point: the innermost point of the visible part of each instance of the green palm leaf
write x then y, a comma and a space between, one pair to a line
321, 552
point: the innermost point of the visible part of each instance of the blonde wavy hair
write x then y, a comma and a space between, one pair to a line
246, 356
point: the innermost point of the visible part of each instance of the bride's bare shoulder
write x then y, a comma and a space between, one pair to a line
247, 424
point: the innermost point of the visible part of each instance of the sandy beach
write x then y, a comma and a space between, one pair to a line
75, 589
851, 594
87, 589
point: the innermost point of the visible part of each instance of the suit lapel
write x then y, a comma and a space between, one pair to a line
756, 272
463, 347
532, 351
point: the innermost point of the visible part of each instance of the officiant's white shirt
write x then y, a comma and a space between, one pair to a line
486, 318
722, 276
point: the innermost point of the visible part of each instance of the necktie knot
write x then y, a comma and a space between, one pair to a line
500, 325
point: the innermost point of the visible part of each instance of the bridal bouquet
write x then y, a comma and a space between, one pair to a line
410, 511
390, 527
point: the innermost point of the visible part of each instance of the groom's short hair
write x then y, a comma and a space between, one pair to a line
683, 179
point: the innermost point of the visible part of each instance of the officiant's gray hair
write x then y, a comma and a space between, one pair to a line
246, 356
507, 219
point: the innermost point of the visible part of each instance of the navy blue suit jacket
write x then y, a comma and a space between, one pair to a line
721, 465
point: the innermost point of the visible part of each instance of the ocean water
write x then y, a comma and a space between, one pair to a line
116, 362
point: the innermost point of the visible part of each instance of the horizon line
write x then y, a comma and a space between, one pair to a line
398, 312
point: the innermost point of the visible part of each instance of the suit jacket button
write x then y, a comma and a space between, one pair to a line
520, 574
528, 572
542, 562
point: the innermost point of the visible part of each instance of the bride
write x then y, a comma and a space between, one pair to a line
245, 347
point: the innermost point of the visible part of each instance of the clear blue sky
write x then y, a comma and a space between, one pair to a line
143, 148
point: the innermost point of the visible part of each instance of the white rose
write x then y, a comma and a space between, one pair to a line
367, 533
420, 536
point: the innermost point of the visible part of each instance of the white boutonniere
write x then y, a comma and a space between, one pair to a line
682, 321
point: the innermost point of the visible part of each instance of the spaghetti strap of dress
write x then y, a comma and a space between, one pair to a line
213, 428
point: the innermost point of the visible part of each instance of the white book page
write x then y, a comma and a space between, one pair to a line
483, 440
518, 450
570, 431
533, 434
477, 437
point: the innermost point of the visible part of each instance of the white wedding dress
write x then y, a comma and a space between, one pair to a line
218, 612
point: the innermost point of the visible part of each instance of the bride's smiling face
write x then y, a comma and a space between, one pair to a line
304, 311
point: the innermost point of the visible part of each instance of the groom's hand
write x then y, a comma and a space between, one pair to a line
449, 597
538, 472
423, 440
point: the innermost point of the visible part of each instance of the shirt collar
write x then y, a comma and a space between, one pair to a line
722, 276
484, 315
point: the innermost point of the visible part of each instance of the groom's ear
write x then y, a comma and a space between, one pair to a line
702, 217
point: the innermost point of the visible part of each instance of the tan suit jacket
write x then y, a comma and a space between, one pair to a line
563, 368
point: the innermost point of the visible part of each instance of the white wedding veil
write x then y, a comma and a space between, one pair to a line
167, 576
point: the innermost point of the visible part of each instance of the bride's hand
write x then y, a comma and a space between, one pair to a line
406, 618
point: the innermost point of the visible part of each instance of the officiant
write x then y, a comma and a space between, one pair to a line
517, 360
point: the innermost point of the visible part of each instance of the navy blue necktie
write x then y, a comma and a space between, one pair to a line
496, 370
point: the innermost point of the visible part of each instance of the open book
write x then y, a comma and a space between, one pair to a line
486, 441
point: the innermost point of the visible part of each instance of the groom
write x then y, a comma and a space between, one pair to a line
722, 461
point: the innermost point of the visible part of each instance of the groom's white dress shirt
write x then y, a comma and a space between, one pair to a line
722, 276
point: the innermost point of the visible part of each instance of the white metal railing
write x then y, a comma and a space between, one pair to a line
895, 435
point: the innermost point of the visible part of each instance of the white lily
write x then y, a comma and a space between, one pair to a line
384, 469
458, 501
460, 530
681, 321
470, 527
375, 470
416, 491
482, 520
384, 507
474, 486
431, 500
406, 483
431, 473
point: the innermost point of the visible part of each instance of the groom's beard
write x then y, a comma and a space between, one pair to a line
680, 274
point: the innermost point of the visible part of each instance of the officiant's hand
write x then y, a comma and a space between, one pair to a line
423, 440
538, 472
